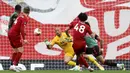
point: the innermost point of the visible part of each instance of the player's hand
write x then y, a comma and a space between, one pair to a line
47, 42
101, 50
25, 42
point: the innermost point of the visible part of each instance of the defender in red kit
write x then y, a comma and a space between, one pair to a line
14, 35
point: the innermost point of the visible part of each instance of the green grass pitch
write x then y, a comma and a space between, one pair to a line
67, 71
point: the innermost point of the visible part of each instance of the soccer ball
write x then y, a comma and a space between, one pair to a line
37, 31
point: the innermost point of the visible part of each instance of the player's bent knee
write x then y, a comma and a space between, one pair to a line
100, 58
20, 49
66, 61
15, 50
85, 55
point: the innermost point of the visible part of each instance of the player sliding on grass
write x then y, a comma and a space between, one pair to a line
14, 35
94, 49
64, 40
80, 29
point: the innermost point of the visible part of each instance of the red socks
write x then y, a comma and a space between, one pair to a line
13, 57
17, 58
82, 61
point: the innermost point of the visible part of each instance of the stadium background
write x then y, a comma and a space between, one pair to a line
109, 18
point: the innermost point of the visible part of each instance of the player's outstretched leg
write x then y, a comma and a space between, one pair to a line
96, 63
13, 58
105, 62
68, 60
16, 60
75, 68
91, 59
121, 66
82, 61
14, 68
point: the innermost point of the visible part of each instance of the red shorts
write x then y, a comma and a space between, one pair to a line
15, 41
79, 47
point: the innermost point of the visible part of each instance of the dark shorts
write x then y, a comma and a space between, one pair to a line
95, 51
79, 47
15, 42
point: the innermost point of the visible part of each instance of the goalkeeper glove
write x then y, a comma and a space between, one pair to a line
47, 42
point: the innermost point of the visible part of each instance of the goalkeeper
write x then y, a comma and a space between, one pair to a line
64, 40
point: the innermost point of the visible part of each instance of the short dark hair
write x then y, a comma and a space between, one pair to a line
26, 10
18, 8
83, 16
87, 24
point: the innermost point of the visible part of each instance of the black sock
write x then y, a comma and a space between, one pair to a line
110, 63
77, 62
11, 62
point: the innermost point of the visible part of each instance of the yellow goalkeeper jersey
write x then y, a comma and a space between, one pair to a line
64, 42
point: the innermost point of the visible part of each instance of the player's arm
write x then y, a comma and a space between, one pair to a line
67, 33
69, 37
72, 24
99, 39
96, 36
93, 35
20, 24
101, 43
90, 31
22, 27
12, 19
68, 28
50, 44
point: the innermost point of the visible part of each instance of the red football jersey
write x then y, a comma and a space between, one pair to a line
79, 30
18, 28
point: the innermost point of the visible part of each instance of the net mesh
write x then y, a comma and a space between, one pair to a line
36, 52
